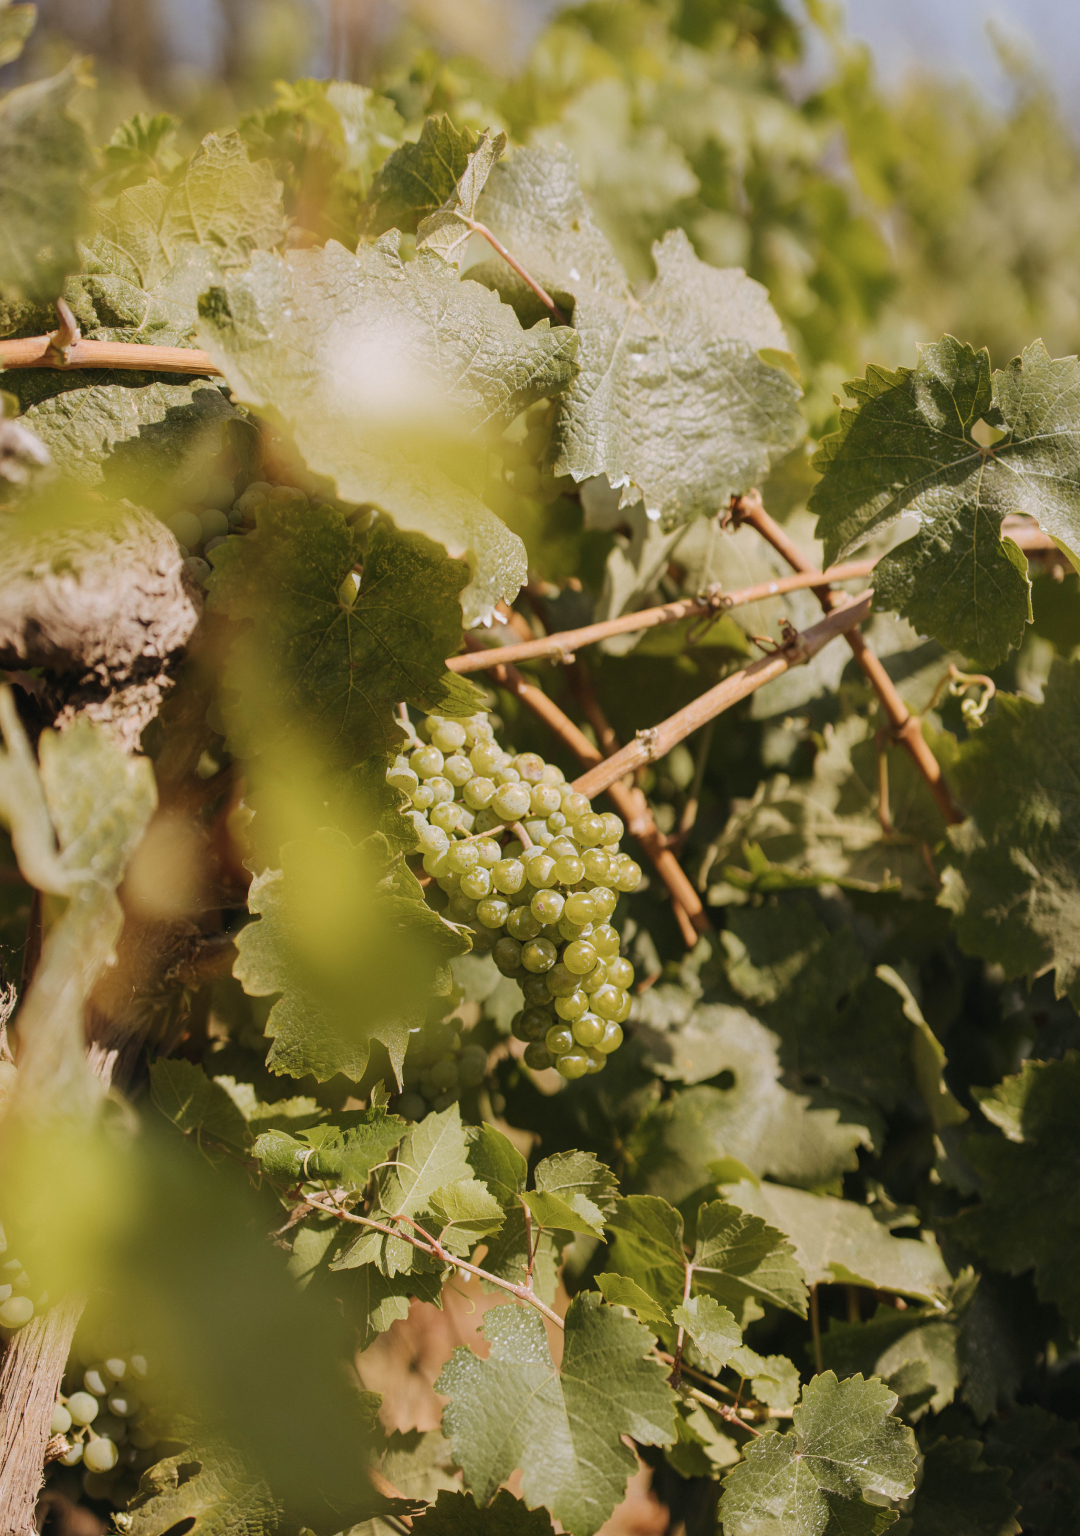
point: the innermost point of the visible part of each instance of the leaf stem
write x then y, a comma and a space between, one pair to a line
51, 352
512, 261
676, 1370
815, 1326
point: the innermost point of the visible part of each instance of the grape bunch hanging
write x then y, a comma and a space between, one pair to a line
541, 901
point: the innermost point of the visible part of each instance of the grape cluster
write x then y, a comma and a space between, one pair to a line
438, 1066
541, 901
18, 1304
105, 1418
200, 529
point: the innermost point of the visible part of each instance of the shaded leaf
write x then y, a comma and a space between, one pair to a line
419, 178
455, 1512
959, 1494
914, 1355
206, 1487
448, 230
194, 1102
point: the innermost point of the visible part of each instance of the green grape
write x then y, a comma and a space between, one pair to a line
16, 1312
538, 955
508, 876
559, 1038
588, 1030
571, 931
485, 758
476, 883
625, 1009
523, 924
96, 1380
486, 820
594, 979
568, 870
411, 1107
426, 762
60, 1422
463, 857
605, 940
72, 1456
438, 864
458, 770
613, 827
612, 1038
431, 839
579, 957
140, 1368
535, 986
489, 851
462, 909
597, 1060
538, 1057
402, 777
448, 736
589, 830
604, 901
620, 972
573, 1064
561, 982
581, 908
472, 1068
553, 775
100, 1455
608, 1001
478, 729
444, 1074
574, 804
544, 800
441, 789
517, 1027
493, 912
507, 956
423, 797
507, 775
572, 1006
555, 823
596, 865
628, 876
530, 766
123, 1404
478, 793
484, 939
547, 906
83, 1408
511, 801
540, 869
447, 815
536, 1023
537, 833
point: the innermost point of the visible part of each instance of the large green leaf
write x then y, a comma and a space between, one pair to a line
842, 1241
380, 369
1029, 1215
204, 1488
572, 1188
1015, 883
418, 178
195, 1103
44, 153
913, 1352
561, 1426
908, 446
680, 397
844, 1445
310, 662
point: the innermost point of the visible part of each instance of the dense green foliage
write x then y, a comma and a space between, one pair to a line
378, 1007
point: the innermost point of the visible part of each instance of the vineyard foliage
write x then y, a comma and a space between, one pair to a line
745, 1118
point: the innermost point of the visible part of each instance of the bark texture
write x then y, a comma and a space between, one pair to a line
30, 1372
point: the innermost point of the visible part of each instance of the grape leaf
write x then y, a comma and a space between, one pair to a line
907, 445
1014, 885
16, 24
43, 154
912, 1353
1029, 1215
419, 178
455, 1512
194, 1102
466, 1212
353, 951
773, 1379
844, 1445
575, 1181
575, 1216
206, 1487
712, 1328
621, 1291
448, 230
310, 663
363, 358
344, 1150
562, 1427
1039, 1449
678, 398
841, 1241
374, 1301
959, 1493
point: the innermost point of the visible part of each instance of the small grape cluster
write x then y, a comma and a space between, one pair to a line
200, 529
18, 1303
541, 901
105, 1419
438, 1066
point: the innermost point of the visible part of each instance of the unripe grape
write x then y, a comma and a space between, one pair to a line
446, 815
628, 876
448, 882
613, 827
431, 839
438, 865
460, 908
83, 1408
444, 1074
597, 1060
100, 1454
489, 851
72, 1456
540, 869
472, 1067
573, 1006
448, 736
547, 906
507, 775
581, 908
535, 986
597, 865
573, 1064
60, 1422
16, 1312
608, 1001
571, 931
467, 825
537, 833
620, 972
530, 766
562, 847
594, 979
559, 1038
555, 823
441, 788
511, 801
568, 870
538, 955
624, 1012
522, 923
579, 957
517, 1027
458, 770
574, 804
538, 1057
553, 775
485, 820
561, 982
604, 900
411, 1107
426, 762
589, 830
423, 797
544, 800
463, 857
485, 758
588, 1029
493, 912
509, 876
123, 1403
535, 1023
402, 777
476, 883
605, 940
478, 793
612, 1040
507, 956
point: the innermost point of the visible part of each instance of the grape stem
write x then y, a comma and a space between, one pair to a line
676, 1367
511, 261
